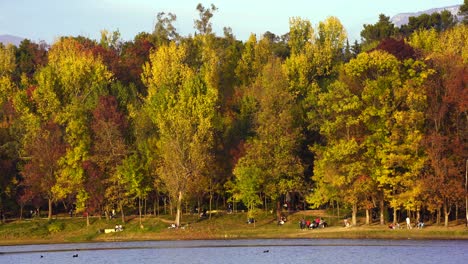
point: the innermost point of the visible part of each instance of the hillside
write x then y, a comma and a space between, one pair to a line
7, 39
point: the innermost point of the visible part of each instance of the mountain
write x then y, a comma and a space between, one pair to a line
7, 39
403, 18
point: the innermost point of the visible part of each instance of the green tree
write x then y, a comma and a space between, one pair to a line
164, 29
383, 29
203, 24
463, 11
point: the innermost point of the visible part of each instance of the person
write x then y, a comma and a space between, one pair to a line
346, 222
317, 222
420, 224
302, 223
408, 223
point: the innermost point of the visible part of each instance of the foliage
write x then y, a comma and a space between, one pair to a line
166, 119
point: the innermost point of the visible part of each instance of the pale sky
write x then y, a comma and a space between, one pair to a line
49, 19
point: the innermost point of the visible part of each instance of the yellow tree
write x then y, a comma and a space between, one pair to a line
67, 88
182, 106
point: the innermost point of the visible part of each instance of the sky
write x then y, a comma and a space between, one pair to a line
49, 19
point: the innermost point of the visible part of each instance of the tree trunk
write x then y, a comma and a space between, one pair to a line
49, 217
139, 210
21, 211
438, 216
367, 217
446, 214
338, 208
418, 214
395, 211
179, 209
354, 215
122, 212
156, 207
210, 203
456, 213
382, 212
87, 219
278, 209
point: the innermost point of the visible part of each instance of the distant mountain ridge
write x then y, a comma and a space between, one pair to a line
10, 39
403, 18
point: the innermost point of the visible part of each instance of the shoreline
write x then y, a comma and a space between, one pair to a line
220, 227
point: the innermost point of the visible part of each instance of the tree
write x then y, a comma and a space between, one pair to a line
41, 170
109, 149
383, 29
392, 116
247, 186
340, 163
446, 117
397, 48
8, 121
182, 107
203, 24
164, 31
463, 11
68, 87
438, 21
276, 133
30, 57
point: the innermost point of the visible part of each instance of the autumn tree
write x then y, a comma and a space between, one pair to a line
68, 87
8, 119
341, 162
108, 150
182, 106
446, 135
42, 167
276, 133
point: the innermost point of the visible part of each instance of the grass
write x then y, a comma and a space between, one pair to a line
220, 226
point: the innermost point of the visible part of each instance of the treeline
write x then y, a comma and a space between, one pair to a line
303, 119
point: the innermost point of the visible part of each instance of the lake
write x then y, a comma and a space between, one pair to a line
347, 251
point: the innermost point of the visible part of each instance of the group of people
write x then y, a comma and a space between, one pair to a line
419, 225
308, 224
282, 220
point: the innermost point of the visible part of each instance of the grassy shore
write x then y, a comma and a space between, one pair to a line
220, 226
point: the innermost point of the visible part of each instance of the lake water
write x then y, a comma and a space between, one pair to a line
269, 251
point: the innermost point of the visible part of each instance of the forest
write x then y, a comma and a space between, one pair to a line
167, 123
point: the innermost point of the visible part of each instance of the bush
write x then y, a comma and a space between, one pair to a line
55, 227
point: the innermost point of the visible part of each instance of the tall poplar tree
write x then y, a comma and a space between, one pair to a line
182, 106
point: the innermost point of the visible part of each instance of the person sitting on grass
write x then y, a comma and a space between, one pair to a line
420, 224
